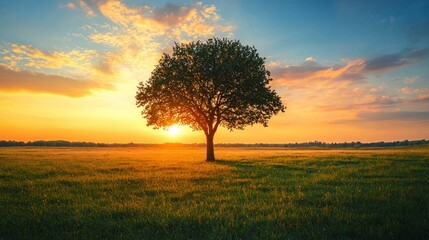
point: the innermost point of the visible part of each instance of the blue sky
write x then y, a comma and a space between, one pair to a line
291, 29
356, 67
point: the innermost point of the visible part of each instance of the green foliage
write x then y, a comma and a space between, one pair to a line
167, 193
207, 84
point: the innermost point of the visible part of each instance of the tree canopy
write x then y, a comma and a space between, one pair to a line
209, 84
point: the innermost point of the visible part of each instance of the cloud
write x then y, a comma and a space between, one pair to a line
104, 67
174, 21
343, 87
69, 5
133, 39
82, 5
310, 72
421, 98
351, 72
33, 57
394, 116
125, 16
391, 61
346, 92
411, 80
12, 81
415, 95
75, 64
368, 101
407, 117
171, 14
88, 10
138, 35
201, 22
310, 59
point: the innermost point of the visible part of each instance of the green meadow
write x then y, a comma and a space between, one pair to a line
249, 193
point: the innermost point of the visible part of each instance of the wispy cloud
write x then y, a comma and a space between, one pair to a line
80, 5
138, 35
391, 61
174, 21
422, 99
371, 101
12, 81
309, 72
88, 10
394, 116
132, 39
77, 64
69, 5
346, 89
411, 80
170, 14
386, 117
30, 56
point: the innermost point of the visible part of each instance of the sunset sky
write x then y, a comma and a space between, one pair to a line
346, 70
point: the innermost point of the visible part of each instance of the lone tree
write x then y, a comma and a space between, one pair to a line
206, 85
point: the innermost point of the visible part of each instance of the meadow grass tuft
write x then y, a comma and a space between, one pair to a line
250, 193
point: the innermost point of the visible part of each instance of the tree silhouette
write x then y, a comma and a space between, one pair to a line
209, 84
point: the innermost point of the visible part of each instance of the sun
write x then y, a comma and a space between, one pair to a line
173, 130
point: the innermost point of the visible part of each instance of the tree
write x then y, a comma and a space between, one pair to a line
206, 85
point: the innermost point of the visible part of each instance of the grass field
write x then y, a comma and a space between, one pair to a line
171, 193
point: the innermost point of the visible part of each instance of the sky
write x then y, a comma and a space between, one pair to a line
346, 70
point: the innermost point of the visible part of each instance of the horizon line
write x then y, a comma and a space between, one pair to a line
221, 143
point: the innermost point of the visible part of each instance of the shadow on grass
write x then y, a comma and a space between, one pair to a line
126, 224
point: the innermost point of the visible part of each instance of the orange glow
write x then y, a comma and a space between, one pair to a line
87, 93
173, 130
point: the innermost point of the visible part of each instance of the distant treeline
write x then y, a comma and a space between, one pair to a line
318, 144
315, 144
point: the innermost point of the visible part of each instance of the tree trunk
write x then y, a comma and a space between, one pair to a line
210, 148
